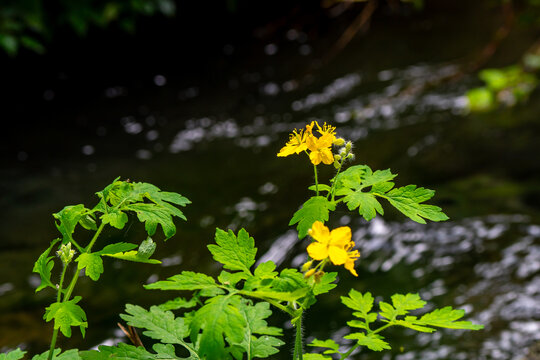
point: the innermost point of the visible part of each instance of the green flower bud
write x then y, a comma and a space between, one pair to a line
348, 146
339, 141
307, 266
66, 253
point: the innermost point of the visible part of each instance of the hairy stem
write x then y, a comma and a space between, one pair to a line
316, 179
298, 353
71, 285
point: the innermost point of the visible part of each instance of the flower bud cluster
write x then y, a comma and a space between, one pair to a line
66, 253
345, 153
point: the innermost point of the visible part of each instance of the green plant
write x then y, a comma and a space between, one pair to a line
227, 317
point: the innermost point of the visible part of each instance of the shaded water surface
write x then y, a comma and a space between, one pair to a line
214, 140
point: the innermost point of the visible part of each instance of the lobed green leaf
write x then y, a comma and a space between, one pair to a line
372, 341
361, 187
234, 252
67, 220
43, 266
92, 264
13, 355
72, 354
67, 314
329, 344
188, 280
218, 320
316, 208
159, 324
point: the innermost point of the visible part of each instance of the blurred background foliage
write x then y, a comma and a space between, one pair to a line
35, 25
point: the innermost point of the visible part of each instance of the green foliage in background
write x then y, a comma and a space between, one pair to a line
33, 24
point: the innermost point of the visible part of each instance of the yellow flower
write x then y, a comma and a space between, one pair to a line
333, 245
321, 149
297, 141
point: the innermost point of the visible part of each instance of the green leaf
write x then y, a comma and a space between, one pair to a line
153, 215
356, 301
278, 295
13, 355
446, 318
353, 182
322, 187
178, 303
331, 345
67, 314
325, 283
265, 270
402, 304
133, 256
43, 266
218, 320
159, 324
115, 218
316, 357
360, 187
480, 99
408, 200
88, 222
152, 206
116, 248
72, 354
265, 345
405, 303
188, 280
92, 264
147, 248
234, 252
373, 342
68, 218
316, 208
120, 352
231, 279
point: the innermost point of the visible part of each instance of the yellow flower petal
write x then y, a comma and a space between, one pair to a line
337, 255
320, 232
341, 237
317, 250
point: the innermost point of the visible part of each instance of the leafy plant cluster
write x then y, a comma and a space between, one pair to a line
31, 24
227, 317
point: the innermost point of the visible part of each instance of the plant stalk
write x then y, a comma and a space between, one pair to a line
298, 353
71, 287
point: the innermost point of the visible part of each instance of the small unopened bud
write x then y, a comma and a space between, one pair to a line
339, 141
348, 146
337, 157
307, 266
350, 156
309, 273
337, 164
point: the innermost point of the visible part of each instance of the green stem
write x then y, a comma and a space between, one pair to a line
298, 353
316, 179
344, 356
53, 344
58, 298
71, 285
333, 189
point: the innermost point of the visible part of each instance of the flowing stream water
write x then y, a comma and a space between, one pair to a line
213, 137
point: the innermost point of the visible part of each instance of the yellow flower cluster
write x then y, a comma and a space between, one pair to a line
320, 148
335, 245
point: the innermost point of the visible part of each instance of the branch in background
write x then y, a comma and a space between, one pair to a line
132, 335
361, 22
